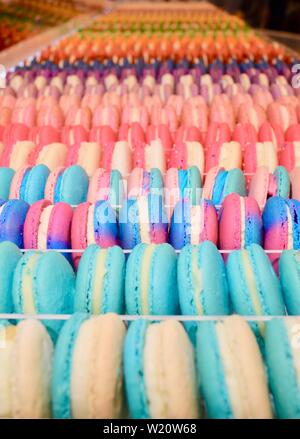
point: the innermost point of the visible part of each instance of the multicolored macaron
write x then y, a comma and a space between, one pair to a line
151, 280
193, 224
28, 183
69, 185
25, 357
231, 372
282, 357
9, 257
48, 226
141, 182
107, 186
240, 222
289, 275
44, 283
93, 223
159, 368
143, 219
89, 350
12, 219
100, 281
219, 183
281, 226
265, 184
6, 176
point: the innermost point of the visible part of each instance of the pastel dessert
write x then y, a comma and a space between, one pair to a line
281, 226
52, 155
289, 157
28, 183
151, 280
245, 133
253, 114
217, 132
117, 156
240, 222
271, 133
9, 257
93, 223
289, 275
230, 371
44, 283
12, 218
226, 155
144, 220
265, 184
150, 156
189, 133
106, 185
200, 293
283, 115
160, 353
25, 357
6, 176
48, 226
295, 183
193, 223
85, 154
260, 154
69, 185
133, 134
17, 154
73, 135
89, 350
141, 182
182, 183
292, 134
282, 359
219, 183
187, 154
100, 281
160, 132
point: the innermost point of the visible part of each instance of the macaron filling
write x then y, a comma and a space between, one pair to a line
42, 240
28, 295
100, 271
197, 282
145, 279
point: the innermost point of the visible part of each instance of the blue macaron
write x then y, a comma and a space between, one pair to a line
289, 275
6, 176
9, 258
151, 182
282, 181
151, 280
44, 283
71, 185
282, 359
29, 183
226, 183
100, 281
190, 184
12, 219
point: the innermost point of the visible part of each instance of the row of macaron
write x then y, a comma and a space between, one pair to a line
72, 185
238, 223
162, 374
151, 280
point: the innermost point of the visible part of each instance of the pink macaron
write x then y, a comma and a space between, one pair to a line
292, 134
290, 155
271, 133
260, 154
227, 155
186, 154
79, 116
150, 156
244, 133
50, 115
217, 132
221, 111
138, 114
282, 115
160, 132
104, 115
254, 115
133, 134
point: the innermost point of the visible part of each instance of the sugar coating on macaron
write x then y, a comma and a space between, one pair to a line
200, 293
87, 368
29, 183
193, 224
100, 281
12, 218
44, 283
9, 258
160, 375
289, 275
69, 185
231, 371
26, 367
151, 280
282, 360
143, 220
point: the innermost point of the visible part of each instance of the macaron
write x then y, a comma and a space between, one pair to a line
85, 154
25, 369
159, 368
6, 176
230, 371
151, 280
260, 154
28, 183
9, 257
52, 155
282, 358
93, 223
108, 186
68, 185
143, 219
88, 350
227, 155
44, 283
200, 293
219, 183
141, 182
289, 275
187, 154
12, 219
281, 226
193, 224
289, 156
265, 184
100, 281
150, 156
240, 222
295, 183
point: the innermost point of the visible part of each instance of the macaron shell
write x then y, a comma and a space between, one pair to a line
32, 223
289, 275
9, 257
295, 183
12, 219
74, 186
6, 177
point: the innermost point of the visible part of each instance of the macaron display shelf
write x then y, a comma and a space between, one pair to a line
107, 134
